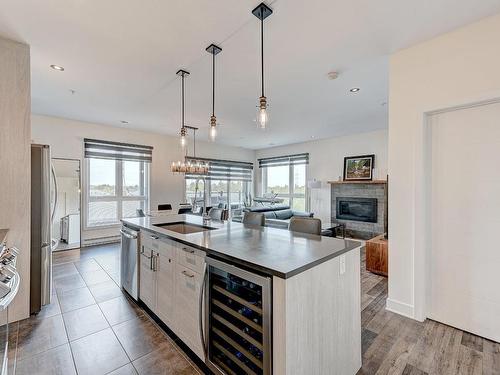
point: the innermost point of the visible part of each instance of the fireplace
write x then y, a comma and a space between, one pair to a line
357, 209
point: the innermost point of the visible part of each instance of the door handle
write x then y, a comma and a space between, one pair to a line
128, 235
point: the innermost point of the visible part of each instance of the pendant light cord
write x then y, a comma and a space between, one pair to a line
262, 52
182, 109
213, 84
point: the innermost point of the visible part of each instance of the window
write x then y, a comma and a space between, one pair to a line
115, 187
228, 183
286, 177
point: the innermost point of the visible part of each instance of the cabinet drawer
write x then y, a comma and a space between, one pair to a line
190, 257
148, 239
157, 243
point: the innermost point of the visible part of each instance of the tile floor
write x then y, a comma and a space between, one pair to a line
91, 327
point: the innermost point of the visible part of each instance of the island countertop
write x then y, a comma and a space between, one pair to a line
273, 251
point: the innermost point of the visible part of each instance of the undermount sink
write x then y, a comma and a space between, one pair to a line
183, 227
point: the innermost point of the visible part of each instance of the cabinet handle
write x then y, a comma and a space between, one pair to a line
144, 254
155, 262
200, 311
153, 237
187, 250
185, 273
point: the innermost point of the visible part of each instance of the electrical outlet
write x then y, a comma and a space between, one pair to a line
342, 264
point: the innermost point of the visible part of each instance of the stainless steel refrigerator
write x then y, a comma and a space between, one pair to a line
43, 205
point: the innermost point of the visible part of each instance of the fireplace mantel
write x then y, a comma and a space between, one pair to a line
372, 182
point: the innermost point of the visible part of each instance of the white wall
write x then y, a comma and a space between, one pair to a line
66, 140
454, 69
326, 159
15, 162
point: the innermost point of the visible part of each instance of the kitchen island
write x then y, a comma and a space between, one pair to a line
250, 299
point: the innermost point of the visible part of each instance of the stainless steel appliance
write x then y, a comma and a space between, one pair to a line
43, 207
129, 262
237, 334
9, 285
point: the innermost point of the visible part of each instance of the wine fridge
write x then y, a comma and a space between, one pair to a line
237, 334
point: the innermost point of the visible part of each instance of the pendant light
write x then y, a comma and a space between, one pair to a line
212, 132
183, 74
191, 166
262, 11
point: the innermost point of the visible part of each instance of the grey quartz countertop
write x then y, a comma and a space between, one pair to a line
273, 251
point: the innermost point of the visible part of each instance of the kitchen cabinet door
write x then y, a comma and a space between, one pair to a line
165, 284
147, 279
187, 294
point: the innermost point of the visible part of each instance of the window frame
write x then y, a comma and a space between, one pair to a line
118, 197
291, 185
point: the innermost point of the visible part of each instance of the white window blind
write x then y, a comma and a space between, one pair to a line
117, 151
224, 170
297, 159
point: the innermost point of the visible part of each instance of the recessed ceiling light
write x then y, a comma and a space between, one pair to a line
312, 136
124, 122
355, 89
57, 67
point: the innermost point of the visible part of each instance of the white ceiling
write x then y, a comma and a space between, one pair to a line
121, 57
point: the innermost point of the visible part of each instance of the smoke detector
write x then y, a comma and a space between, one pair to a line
333, 75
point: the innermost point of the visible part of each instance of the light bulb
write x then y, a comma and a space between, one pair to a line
183, 141
212, 133
262, 118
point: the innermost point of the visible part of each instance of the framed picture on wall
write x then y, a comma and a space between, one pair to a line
359, 168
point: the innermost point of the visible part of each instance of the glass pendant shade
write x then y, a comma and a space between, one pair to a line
262, 114
212, 133
183, 138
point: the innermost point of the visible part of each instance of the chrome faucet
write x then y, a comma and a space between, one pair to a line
204, 213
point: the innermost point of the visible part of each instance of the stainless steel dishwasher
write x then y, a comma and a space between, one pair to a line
129, 261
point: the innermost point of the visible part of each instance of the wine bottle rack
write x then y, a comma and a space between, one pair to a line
238, 315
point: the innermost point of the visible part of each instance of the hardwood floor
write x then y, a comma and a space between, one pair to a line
92, 328
393, 344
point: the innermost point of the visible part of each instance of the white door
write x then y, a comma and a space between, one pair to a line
465, 191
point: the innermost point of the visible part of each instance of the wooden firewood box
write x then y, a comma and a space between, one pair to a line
377, 255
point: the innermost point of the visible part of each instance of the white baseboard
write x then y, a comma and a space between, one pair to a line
100, 241
400, 308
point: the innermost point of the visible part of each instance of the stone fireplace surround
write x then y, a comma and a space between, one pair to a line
360, 189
